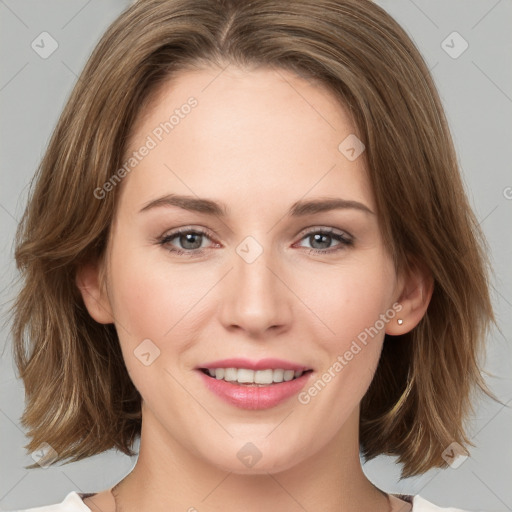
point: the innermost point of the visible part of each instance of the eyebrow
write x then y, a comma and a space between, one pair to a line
210, 207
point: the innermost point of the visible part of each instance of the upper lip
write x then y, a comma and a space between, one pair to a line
262, 364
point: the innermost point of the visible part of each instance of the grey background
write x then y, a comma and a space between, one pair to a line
476, 89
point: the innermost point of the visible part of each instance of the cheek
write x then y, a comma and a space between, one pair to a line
150, 306
154, 299
350, 303
349, 299
150, 295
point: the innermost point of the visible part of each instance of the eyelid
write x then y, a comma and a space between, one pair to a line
325, 229
168, 235
187, 229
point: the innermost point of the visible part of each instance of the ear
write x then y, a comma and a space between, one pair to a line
414, 293
90, 281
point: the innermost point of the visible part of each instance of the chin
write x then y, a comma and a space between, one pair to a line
248, 460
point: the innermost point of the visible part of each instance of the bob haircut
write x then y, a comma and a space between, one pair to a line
79, 396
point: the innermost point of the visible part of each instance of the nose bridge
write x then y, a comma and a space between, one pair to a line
257, 298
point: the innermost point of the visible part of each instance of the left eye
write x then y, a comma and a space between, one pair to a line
321, 240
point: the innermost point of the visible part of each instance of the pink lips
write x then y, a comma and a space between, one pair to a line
254, 397
262, 364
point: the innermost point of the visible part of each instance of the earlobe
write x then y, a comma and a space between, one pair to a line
91, 285
414, 297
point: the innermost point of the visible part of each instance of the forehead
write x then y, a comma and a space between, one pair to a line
251, 135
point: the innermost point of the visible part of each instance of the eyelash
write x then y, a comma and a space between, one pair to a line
344, 239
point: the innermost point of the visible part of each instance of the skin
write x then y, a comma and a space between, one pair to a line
258, 141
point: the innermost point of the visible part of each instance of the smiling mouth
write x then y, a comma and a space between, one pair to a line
253, 378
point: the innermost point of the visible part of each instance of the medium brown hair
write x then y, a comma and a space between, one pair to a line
79, 396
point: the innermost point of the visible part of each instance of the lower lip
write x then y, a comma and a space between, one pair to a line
255, 397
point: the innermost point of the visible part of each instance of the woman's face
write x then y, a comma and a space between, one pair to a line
259, 272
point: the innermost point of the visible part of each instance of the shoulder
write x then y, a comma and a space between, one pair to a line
420, 504
72, 503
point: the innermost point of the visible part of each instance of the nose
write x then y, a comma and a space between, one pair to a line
255, 298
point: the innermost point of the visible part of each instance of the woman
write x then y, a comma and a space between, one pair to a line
249, 244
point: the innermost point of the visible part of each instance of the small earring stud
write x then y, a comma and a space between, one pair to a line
400, 321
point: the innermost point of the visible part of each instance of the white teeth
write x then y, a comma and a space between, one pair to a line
278, 376
257, 377
288, 375
230, 374
245, 376
263, 376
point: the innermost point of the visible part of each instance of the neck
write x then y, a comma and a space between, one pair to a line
169, 476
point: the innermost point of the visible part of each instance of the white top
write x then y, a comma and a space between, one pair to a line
73, 503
